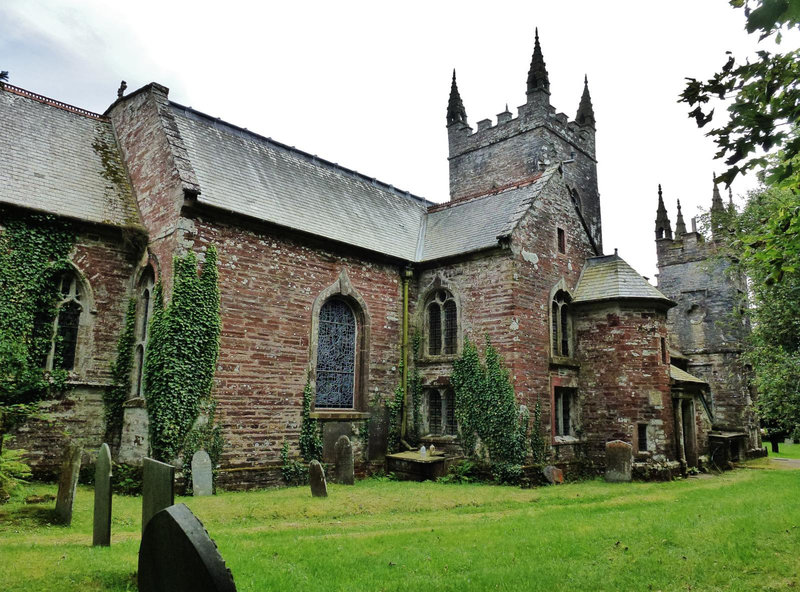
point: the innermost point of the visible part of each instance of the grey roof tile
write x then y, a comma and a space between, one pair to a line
62, 161
610, 278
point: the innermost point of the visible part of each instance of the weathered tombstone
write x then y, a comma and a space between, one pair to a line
101, 535
177, 555
316, 478
619, 460
344, 461
68, 483
202, 480
554, 475
158, 488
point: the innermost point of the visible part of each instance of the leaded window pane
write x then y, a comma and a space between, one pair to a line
68, 319
336, 355
450, 426
554, 327
434, 329
450, 327
564, 331
435, 413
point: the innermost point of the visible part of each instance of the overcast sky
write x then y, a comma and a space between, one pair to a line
365, 84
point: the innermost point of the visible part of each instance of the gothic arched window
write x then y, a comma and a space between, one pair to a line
336, 356
144, 309
442, 324
561, 325
65, 342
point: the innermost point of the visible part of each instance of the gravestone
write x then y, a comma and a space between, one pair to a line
177, 555
619, 460
101, 535
316, 478
344, 461
554, 475
202, 480
158, 488
68, 483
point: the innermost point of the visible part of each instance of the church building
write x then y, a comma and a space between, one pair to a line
326, 275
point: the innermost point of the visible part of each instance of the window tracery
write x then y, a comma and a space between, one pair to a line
336, 356
442, 324
561, 325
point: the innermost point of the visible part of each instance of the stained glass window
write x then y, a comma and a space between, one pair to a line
336, 355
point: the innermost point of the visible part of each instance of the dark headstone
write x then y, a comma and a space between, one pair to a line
101, 535
316, 478
554, 475
344, 461
331, 432
158, 488
177, 555
619, 460
202, 480
68, 483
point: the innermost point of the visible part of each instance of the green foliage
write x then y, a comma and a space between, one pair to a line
182, 350
460, 472
310, 437
415, 390
126, 479
34, 252
12, 469
394, 408
115, 395
206, 434
538, 444
486, 408
762, 97
292, 471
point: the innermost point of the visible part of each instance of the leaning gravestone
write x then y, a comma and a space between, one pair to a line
177, 555
101, 535
344, 461
158, 490
619, 458
316, 478
202, 481
554, 475
68, 483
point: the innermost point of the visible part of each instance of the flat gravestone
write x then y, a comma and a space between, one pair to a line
619, 458
177, 555
202, 480
158, 490
344, 461
101, 535
554, 475
68, 483
316, 478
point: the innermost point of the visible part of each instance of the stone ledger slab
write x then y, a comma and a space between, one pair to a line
619, 461
158, 488
101, 533
67, 483
178, 555
202, 477
316, 478
345, 471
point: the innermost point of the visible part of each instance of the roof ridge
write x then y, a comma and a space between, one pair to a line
475, 196
52, 102
313, 158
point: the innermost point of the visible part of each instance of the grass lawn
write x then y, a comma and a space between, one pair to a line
737, 531
786, 450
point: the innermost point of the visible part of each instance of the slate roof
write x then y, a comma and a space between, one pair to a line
679, 375
61, 159
610, 278
248, 174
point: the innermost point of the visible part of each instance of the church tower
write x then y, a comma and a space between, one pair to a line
516, 149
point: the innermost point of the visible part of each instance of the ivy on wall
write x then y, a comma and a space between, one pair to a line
487, 411
182, 349
34, 252
310, 439
119, 391
538, 444
415, 389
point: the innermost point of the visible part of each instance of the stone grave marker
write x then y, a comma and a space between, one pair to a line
158, 488
67, 483
316, 478
101, 534
554, 475
202, 480
619, 460
344, 461
177, 555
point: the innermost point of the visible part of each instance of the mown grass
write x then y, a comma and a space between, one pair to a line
786, 450
739, 531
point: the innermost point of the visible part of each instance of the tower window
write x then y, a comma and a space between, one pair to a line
562, 240
442, 324
663, 351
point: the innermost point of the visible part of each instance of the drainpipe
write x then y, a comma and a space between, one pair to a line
408, 273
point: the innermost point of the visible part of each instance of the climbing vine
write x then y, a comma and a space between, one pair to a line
34, 252
394, 408
115, 395
182, 349
415, 389
310, 438
538, 445
486, 409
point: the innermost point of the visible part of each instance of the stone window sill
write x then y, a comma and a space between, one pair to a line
563, 440
340, 414
564, 361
